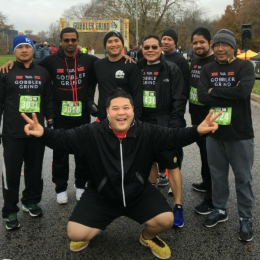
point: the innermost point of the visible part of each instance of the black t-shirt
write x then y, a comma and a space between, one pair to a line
112, 75
198, 111
231, 88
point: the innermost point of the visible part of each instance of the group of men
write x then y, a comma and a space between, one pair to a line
140, 133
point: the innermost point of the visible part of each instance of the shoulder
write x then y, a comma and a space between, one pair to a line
172, 66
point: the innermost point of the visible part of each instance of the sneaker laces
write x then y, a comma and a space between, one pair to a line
33, 206
12, 217
179, 212
215, 212
158, 242
245, 223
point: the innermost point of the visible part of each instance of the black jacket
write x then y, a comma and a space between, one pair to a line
171, 95
103, 153
86, 84
30, 82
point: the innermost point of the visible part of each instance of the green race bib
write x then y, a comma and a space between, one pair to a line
29, 104
194, 97
149, 99
225, 118
68, 109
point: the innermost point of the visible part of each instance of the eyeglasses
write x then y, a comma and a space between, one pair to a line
73, 40
154, 47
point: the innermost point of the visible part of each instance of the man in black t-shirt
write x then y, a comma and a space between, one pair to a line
113, 72
201, 44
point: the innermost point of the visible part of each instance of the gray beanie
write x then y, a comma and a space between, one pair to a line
226, 36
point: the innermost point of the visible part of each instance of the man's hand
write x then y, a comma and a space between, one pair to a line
33, 127
7, 66
208, 125
128, 59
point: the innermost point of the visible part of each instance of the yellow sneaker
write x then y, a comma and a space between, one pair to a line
78, 246
158, 247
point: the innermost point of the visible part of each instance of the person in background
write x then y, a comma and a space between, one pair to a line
45, 51
132, 53
53, 48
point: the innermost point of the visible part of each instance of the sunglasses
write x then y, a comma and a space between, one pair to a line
73, 40
154, 47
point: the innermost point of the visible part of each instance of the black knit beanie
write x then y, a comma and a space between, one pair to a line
113, 33
225, 36
172, 34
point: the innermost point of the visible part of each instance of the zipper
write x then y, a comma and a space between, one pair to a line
122, 171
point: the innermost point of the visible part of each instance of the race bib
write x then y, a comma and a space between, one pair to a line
149, 99
29, 104
225, 118
68, 109
194, 97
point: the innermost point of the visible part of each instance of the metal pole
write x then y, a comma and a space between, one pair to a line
136, 22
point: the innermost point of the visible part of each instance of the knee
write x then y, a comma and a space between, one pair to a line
166, 221
74, 232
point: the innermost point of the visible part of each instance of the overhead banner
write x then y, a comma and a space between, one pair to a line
85, 26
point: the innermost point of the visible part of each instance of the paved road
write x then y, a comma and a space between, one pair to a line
45, 238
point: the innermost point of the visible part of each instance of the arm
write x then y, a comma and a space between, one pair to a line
170, 139
244, 87
2, 95
136, 90
7, 66
186, 75
178, 97
91, 88
71, 140
48, 99
203, 92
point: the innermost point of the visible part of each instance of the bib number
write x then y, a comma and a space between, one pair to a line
194, 97
225, 118
149, 99
29, 104
68, 109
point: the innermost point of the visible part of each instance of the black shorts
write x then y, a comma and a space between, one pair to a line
170, 159
95, 212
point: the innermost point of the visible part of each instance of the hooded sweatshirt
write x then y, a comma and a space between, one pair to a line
74, 85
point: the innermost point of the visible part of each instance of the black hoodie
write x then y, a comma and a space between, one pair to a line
83, 89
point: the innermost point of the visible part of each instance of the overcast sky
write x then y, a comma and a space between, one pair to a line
37, 15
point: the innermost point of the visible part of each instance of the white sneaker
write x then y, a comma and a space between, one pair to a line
170, 191
62, 197
79, 193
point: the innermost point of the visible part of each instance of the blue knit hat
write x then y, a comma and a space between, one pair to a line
22, 39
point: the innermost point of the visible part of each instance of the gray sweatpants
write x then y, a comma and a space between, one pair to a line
240, 156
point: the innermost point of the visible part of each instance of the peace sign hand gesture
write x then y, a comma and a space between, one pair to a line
208, 125
33, 127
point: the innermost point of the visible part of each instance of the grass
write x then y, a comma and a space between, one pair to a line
6, 58
256, 88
